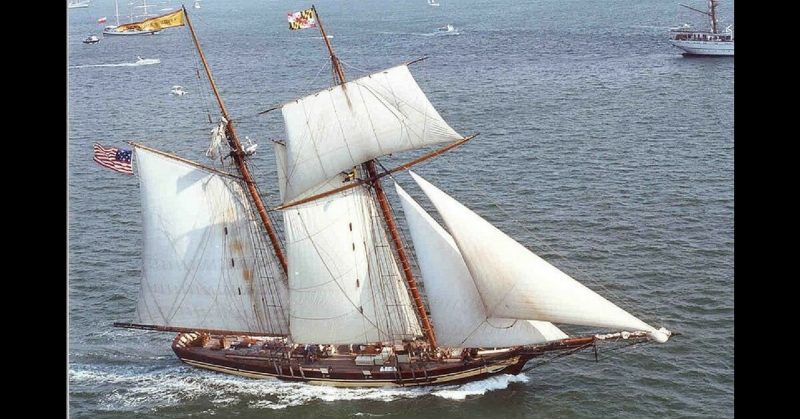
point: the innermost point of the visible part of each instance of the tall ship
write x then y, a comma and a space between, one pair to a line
335, 297
141, 24
77, 4
711, 42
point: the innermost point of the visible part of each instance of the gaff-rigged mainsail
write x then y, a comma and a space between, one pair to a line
205, 264
515, 283
457, 311
344, 284
336, 129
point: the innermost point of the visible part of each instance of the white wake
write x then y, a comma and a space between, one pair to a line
137, 388
144, 61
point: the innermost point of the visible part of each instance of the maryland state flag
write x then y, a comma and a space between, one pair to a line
302, 20
157, 23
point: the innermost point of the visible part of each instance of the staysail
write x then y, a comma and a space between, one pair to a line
513, 282
346, 125
204, 264
344, 284
456, 307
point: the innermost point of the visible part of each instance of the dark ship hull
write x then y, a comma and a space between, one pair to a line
347, 369
256, 358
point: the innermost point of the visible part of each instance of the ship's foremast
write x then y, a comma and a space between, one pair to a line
369, 168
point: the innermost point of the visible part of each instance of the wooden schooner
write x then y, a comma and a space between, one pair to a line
335, 301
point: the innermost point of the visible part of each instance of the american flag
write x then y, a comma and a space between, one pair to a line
114, 158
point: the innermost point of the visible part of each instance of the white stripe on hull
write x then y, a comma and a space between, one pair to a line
704, 48
129, 33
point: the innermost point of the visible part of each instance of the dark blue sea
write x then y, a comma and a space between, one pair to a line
601, 148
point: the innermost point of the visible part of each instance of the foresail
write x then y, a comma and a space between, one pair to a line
206, 264
341, 127
513, 282
344, 284
456, 308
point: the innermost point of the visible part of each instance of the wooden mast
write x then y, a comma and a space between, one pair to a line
711, 13
335, 65
712, 6
374, 180
238, 154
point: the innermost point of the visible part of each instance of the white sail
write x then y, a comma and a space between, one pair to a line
457, 311
513, 282
280, 157
344, 284
338, 128
203, 262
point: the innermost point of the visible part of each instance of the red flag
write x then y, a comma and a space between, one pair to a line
101, 20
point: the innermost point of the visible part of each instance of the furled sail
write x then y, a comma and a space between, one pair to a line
205, 263
513, 282
344, 284
457, 311
341, 127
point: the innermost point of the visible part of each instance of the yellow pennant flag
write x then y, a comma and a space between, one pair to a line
168, 20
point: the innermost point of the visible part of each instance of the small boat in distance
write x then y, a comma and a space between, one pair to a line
78, 4
178, 91
447, 30
695, 42
141, 27
433, 3
196, 4
91, 39
146, 61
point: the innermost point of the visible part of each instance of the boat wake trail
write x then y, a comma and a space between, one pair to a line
134, 389
145, 61
437, 33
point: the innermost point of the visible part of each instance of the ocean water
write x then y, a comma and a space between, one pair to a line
602, 149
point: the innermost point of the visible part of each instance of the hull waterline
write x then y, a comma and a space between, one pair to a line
704, 48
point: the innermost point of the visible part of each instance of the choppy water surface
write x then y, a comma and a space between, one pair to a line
601, 148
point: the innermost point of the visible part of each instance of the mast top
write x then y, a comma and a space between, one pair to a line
338, 71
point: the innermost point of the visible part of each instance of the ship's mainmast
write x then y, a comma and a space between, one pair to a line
711, 13
238, 155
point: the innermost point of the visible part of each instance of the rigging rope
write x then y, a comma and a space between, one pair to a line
204, 90
411, 255
307, 87
352, 66
580, 348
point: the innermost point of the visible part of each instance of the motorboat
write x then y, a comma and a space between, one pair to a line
91, 39
446, 28
178, 91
